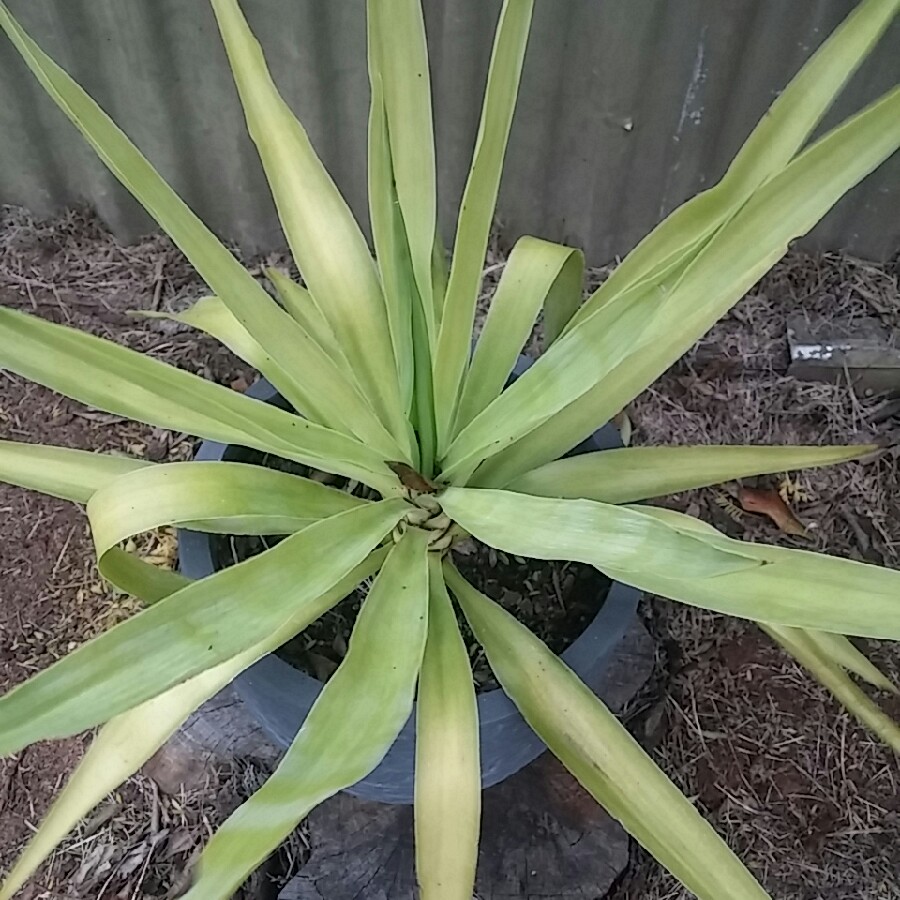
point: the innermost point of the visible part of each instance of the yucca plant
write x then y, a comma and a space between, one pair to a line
374, 355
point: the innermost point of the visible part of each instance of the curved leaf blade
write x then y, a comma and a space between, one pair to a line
566, 372
216, 497
809, 653
597, 534
227, 278
772, 144
536, 272
327, 395
841, 650
325, 239
477, 211
796, 588
351, 726
387, 228
448, 771
192, 630
785, 207
211, 316
412, 323
639, 473
398, 39
120, 381
299, 303
132, 575
61, 472
752, 581
602, 755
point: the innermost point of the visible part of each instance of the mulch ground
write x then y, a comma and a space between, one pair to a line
801, 792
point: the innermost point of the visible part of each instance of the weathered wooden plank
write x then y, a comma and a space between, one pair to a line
861, 351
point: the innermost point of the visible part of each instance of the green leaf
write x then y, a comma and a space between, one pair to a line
333, 394
448, 772
148, 582
329, 394
598, 534
398, 40
127, 741
192, 630
564, 298
809, 653
794, 587
423, 413
841, 650
477, 211
786, 207
249, 302
765, 584
300, 305
602, 755
211, 316
61, 472
639, 473
781, 132
117, 380
567, 371
351, 726
325, 239
216, 497
391, 249
536, 271
412, 324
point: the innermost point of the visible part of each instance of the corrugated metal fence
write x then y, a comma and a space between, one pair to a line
627, 108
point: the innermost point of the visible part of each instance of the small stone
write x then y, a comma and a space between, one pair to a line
175, 767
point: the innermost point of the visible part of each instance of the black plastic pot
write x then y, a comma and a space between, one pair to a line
281, 696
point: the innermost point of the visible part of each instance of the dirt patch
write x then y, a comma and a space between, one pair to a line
52, 596
556, 600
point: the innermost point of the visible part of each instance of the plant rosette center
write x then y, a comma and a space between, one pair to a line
425, 512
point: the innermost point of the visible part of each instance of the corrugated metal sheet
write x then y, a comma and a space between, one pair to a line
627, 108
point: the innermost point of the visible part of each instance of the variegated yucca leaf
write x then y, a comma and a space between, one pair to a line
477, 212
785, 207
780, 134
120, 381
347, 732
341, 407
60, 472
602, 755
767, 584
538, 274
639, 473
326, 241
194, 629
448, 774
813, 655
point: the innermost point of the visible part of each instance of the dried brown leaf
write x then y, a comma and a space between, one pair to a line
770, 503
